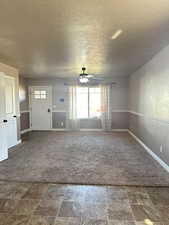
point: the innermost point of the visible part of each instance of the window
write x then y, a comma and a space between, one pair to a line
88, 102
40, 94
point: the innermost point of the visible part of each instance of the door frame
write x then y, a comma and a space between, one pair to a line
14, 92
30, 102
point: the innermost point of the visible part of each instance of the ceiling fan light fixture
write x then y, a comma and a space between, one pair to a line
83, 80
117, 34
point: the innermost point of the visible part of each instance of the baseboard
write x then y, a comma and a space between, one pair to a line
91, 129
120, 130
158, 159
52, 129
58, 129
25, 131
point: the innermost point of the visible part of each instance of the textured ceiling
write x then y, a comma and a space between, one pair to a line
58, 37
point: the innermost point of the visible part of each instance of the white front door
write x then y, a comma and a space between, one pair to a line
10, 111
40, 106
3, 124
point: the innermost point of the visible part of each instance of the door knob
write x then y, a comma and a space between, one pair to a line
48, 110
14, 116
5, 121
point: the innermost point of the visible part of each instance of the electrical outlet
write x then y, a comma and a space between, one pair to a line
161, 148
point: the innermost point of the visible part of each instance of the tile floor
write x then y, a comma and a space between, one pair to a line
54, 204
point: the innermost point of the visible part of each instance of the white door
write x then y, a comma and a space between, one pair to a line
10, 111
3, 124
41, 104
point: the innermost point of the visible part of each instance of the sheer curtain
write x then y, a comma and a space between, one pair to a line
106, 100
73, 122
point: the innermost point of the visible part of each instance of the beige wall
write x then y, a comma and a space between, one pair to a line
149, 101
13, 72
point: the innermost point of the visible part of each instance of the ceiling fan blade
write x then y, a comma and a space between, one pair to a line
89, 76
93, 78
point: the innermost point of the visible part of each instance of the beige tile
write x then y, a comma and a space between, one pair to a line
25, 207
75, 221
94, 211
120, 211
17, 220
7, 205
41, 220
116, 194
47, 208
164, 212
61, 221
96, 194
65, 192
70, 209
94, 222
3, 218
138, 196
150, 223
143, 212
12, 190
159, 196
36, 191
118, 222
68, 221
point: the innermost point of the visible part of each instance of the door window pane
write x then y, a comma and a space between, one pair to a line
40, 94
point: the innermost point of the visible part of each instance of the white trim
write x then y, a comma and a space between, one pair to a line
59, 111
118, 110
119, 130
24, 111
160, 161
91, 129
25, 131
58, 129
52, 129
149, 117
6, 76
136, 113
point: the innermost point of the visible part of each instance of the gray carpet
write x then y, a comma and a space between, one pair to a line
82, 158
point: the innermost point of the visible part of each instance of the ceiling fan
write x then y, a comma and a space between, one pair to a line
85, 77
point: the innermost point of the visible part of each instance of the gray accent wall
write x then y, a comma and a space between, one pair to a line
24, 120
59, 120
120, 120
23, 94
149, 104
90, 124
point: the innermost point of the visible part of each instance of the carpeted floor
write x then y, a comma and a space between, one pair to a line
82, 158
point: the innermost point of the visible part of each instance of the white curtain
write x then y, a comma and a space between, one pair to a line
106, 101
73, 122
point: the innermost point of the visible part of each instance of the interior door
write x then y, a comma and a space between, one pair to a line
40, 101
10, 111
3, 124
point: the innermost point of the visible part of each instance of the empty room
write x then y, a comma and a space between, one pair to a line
84, 112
